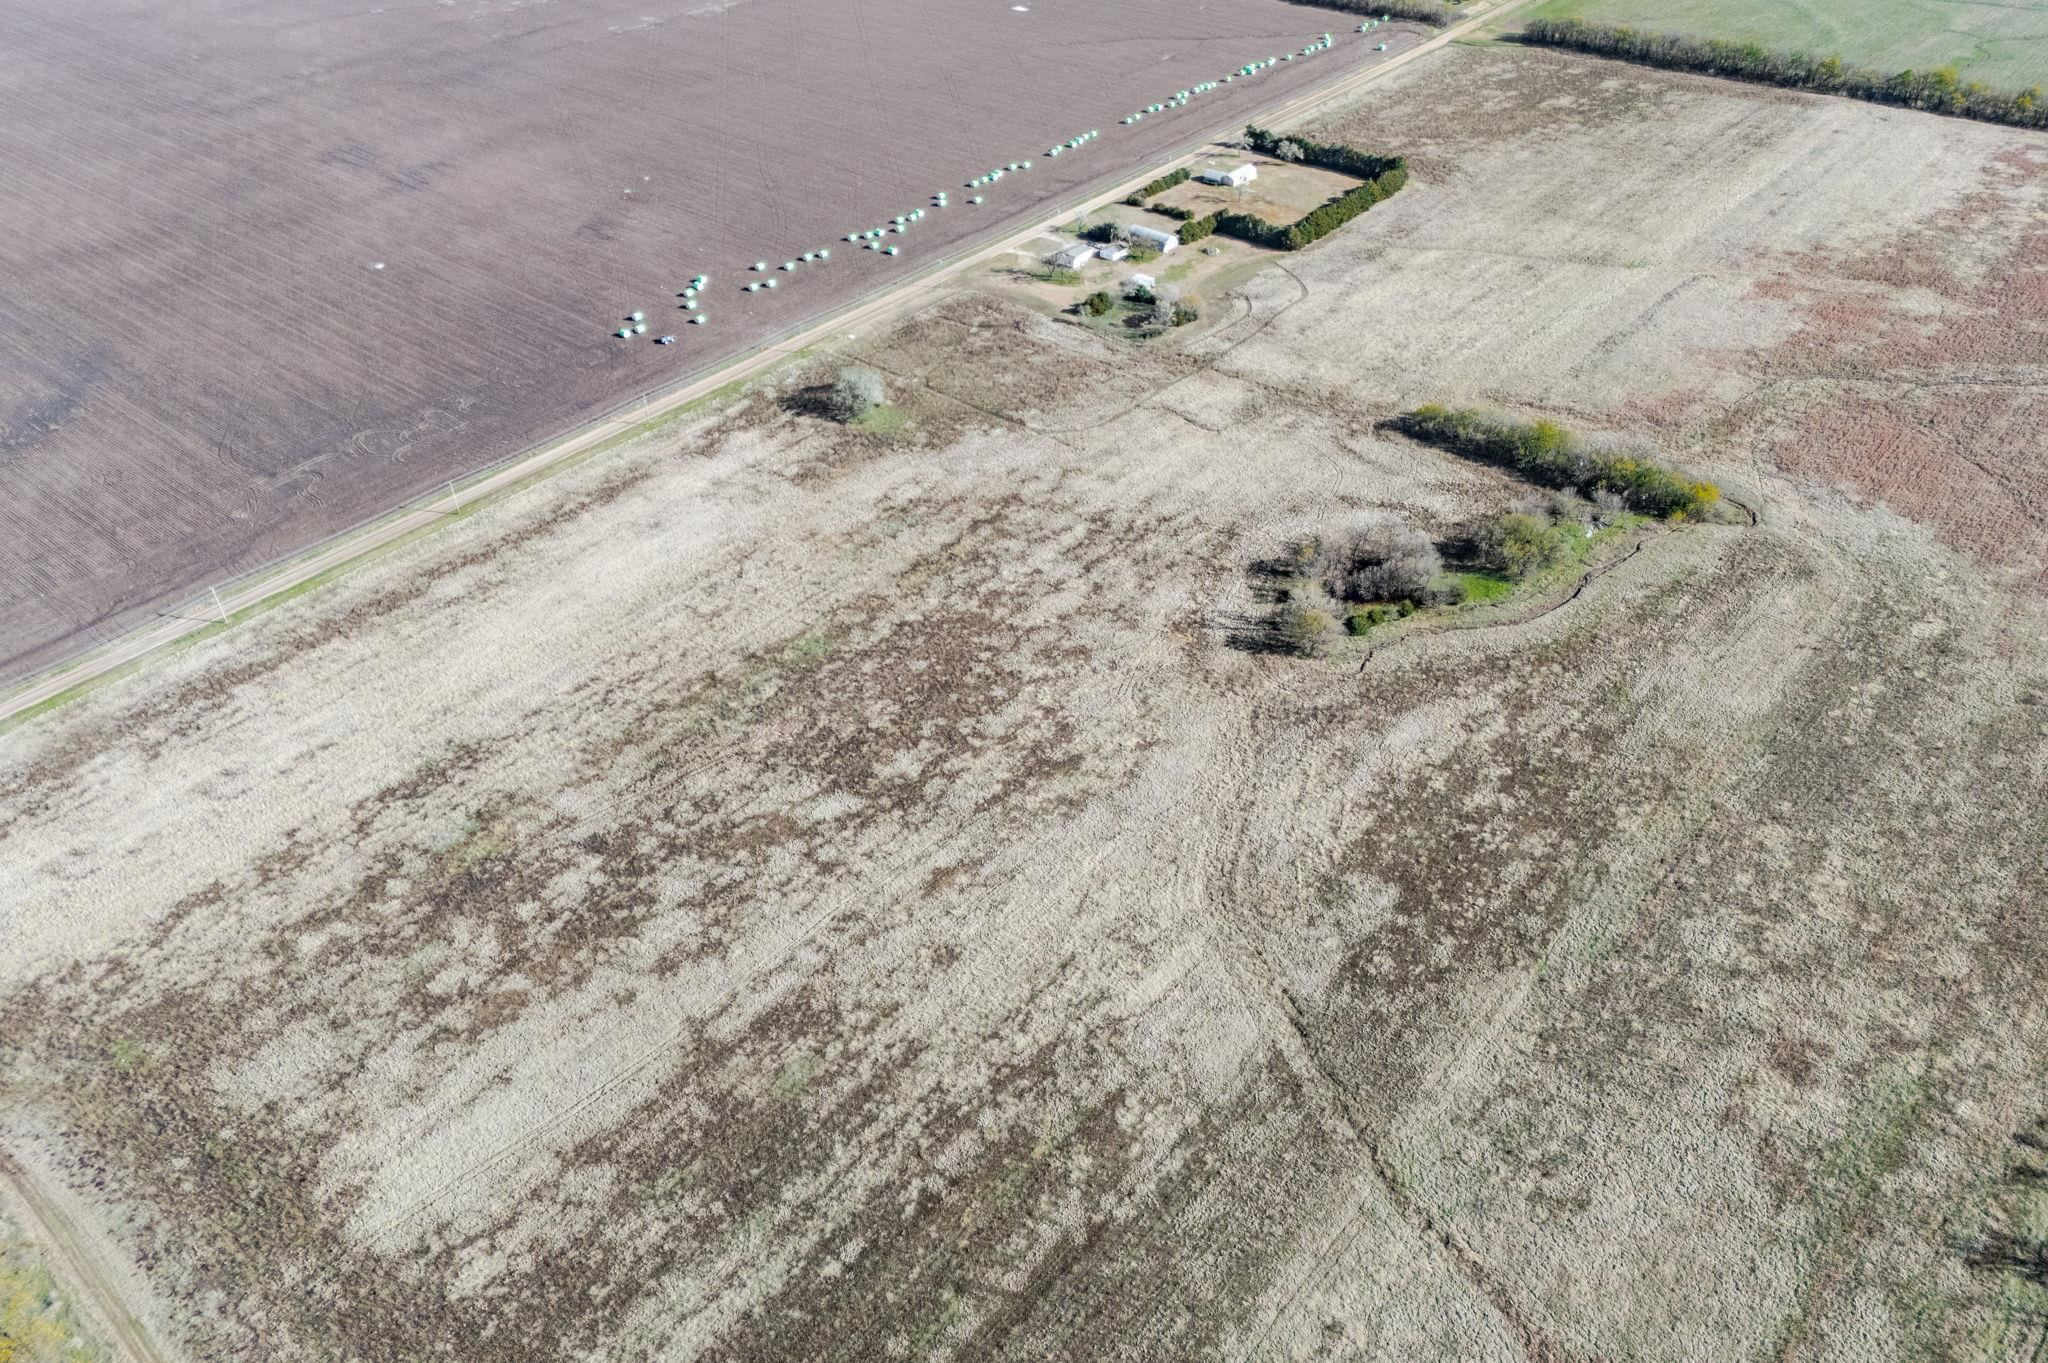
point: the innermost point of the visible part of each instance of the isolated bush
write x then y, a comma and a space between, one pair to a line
857, 391
1188, 309
1304, 629
1135, 199
1939, 91
1097, 303
1165, 301
1518, 544
1377, 559
1141, 294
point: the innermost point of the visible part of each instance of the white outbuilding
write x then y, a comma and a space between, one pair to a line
1243, 175
1070, 257
1159, 241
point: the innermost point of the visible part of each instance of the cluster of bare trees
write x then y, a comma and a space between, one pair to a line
857, 391
1376, 559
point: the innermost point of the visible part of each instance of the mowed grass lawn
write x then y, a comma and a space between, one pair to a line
2003, 45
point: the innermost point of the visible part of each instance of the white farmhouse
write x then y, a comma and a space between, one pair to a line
1069, 257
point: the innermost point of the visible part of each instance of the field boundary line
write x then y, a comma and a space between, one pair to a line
66, 680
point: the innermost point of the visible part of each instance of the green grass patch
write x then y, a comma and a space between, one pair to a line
37, 1323
2003, 45
1482, 587
883, 420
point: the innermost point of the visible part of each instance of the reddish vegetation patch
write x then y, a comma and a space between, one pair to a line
1964, 462
1936, 339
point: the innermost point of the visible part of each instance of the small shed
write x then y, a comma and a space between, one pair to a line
1153, 237
1070, 257
1141, 281
1242, 175
1113, 251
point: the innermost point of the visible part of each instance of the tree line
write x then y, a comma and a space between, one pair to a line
1547, 454
1940, 91
1329, 155
1159, 186
1430, 12
1383, 175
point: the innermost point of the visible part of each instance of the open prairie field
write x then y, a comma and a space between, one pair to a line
2003, 45
780, 891
273, 267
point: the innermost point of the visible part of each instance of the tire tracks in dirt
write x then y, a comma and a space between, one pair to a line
75, 1262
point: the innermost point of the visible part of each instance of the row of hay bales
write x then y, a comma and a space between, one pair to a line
872, 238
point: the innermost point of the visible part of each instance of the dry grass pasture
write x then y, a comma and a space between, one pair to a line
782, 892
273, 267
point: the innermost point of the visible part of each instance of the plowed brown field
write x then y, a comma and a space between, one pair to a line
203, 366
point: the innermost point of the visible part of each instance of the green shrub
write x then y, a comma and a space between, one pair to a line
1360, 622
1940, 91
1519, 545
1194, 229
1187, 310
1101, 232
1174, 211
1097, 303
1135, 200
